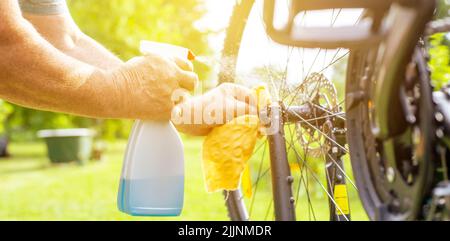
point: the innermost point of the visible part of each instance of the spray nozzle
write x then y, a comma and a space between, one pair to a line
149, 47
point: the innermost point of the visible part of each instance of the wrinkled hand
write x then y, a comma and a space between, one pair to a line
146, 84
198, 115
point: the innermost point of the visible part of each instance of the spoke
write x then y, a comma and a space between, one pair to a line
310, 208
263, 175
303, 49
329, 181
272, 82
335, 55
297, 91
303, 62
263, 142
317, 129
337, 15
340, 169
307, 74
341, 102
321, 185
318, 181
268, 209
325, 110
333, 21
334, 61
285, 75
257, 182
320, 118
305, 182
302, 179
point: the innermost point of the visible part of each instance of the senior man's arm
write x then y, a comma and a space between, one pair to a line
35, 74
54, 22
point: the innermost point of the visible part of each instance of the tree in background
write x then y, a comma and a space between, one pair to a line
119, 25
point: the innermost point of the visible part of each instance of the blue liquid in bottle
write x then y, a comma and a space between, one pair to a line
152, 182
135, 198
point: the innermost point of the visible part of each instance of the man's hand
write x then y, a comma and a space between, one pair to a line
198, 115
146, 84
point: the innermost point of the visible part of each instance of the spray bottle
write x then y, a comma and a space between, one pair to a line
152, 181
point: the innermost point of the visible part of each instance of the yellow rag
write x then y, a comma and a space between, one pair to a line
227, 149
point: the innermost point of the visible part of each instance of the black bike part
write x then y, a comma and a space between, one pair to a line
385, 199
350, 37
235, 206
281, 173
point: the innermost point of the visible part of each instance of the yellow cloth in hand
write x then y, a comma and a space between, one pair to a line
227, 149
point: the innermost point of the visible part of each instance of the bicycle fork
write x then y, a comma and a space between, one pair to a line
281, 173
335, 175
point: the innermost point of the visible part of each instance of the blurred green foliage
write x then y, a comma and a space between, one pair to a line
440, 50
119, 25
5, 111
443, 9
440, 60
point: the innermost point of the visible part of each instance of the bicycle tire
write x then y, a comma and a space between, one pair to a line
230, 52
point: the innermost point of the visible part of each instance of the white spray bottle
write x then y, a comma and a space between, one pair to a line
152, 182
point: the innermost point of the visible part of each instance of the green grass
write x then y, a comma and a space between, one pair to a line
33, 189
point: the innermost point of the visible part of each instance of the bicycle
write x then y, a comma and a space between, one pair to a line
390, 121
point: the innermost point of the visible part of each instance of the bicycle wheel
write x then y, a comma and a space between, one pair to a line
299, 173
394, 172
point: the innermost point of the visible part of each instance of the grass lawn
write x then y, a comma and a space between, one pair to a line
32, 189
